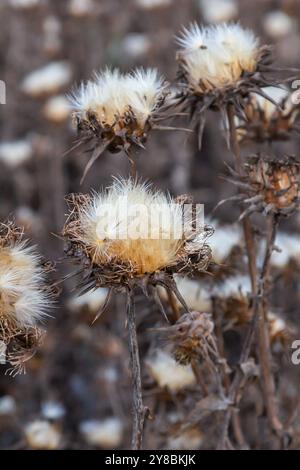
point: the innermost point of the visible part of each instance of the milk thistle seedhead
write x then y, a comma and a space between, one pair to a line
270, 185
116, 111
133, 236
24, 297
269, 118
192, 337
219, 65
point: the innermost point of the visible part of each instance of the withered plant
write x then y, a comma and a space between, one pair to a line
112, 256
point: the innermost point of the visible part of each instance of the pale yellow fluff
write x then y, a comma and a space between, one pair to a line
131, 223
23, 302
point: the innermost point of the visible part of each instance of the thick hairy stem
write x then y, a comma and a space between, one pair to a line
139, 411
265, 357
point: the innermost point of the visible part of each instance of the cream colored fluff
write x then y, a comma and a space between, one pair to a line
112, 94
23, 301
217, 55
148, 242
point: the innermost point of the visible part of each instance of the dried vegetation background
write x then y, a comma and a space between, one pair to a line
77, 392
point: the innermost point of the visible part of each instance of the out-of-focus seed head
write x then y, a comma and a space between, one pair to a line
41, 435
168, 373
268, 118
192, 338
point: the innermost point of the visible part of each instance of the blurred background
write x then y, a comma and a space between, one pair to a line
77, 392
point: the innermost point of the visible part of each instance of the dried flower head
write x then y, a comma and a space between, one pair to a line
132, 235
218, 65
116, 111
232, 297
270, 117
271, 185
24, 296
192, 337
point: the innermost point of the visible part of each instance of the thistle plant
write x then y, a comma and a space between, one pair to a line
131, 238
133, 247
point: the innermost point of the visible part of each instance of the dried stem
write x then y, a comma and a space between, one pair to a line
261, 311
139, 411
247, 227
251, 253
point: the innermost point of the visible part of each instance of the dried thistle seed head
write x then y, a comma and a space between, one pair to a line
213, 57
24, 295
232, 297
280, 332
168, 373
220, 65
117, 110
134, 227
274, 182
270, 117
192, 338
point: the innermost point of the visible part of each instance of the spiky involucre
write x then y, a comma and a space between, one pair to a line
23, 299
217, 56
157, 243
111, 96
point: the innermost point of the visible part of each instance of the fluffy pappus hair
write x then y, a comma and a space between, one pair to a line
24, 296
144, 239
116, 110
217, 56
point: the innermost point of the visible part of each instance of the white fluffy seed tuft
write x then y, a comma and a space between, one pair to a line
112, 95
133, 224
217, 56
